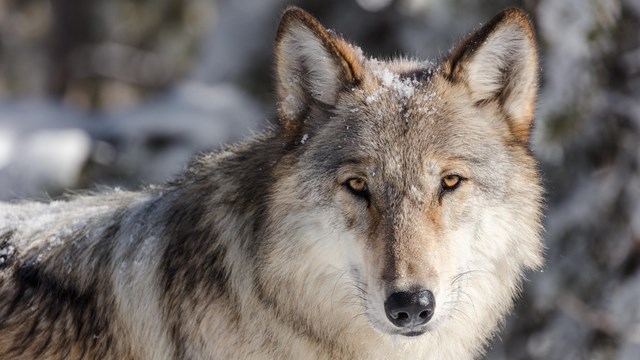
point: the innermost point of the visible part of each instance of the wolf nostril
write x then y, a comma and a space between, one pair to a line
409, 309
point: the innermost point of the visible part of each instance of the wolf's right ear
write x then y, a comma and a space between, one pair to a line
499, 64
312, 66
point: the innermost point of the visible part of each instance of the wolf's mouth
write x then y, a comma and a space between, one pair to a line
413, 333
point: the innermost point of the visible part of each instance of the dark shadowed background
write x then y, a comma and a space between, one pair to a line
123, 92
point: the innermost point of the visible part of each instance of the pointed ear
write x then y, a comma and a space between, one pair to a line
499, 63
312, 66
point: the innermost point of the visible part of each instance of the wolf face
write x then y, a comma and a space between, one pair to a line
410, 180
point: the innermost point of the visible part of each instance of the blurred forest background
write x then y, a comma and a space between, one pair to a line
123, 92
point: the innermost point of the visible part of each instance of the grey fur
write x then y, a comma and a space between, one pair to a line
260, 250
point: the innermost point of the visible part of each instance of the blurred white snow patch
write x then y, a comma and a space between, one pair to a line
42, 148
46, 159
7, 143
56, 154
373, 5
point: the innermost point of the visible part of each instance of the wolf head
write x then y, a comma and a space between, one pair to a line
408, 183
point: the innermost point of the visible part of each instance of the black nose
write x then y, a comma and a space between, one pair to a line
409, 309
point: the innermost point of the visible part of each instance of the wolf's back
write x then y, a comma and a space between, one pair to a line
56, 276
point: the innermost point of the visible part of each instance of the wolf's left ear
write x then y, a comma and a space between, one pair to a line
499, 63
312, 66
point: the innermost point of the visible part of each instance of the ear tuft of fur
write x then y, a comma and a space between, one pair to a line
499, 62
312, 65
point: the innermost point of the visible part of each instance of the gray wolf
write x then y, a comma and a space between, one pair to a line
391, 213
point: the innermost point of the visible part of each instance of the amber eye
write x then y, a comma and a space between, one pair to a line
451, 182
357, 186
